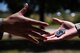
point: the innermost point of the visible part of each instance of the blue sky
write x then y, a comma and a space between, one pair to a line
3, 7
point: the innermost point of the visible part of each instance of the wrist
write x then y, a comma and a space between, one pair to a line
1, 28
1, 24
4, 22
77, 26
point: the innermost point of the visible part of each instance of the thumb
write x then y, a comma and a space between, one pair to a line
56, 20
24, 9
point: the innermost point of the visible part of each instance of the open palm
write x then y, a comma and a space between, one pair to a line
20, 25
69, 27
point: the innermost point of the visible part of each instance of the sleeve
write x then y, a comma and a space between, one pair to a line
1, 27
77, 25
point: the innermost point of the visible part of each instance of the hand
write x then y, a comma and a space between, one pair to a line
69, 32
20, 25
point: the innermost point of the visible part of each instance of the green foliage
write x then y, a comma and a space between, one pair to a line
77, 19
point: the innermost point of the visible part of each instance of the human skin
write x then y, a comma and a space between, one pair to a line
70, 31
20, 25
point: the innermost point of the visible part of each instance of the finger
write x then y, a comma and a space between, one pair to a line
52, 39
56, 20
30, 38
68, 34
37, 35
24, 9
48, 35
35, 22
51, 36
40, 31
54, 33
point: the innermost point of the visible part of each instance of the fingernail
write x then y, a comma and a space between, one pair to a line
45, 40
37, 42
26, 3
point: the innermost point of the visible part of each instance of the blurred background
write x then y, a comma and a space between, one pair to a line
43, 10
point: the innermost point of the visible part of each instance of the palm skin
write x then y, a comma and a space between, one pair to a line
70, 31
20, 25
